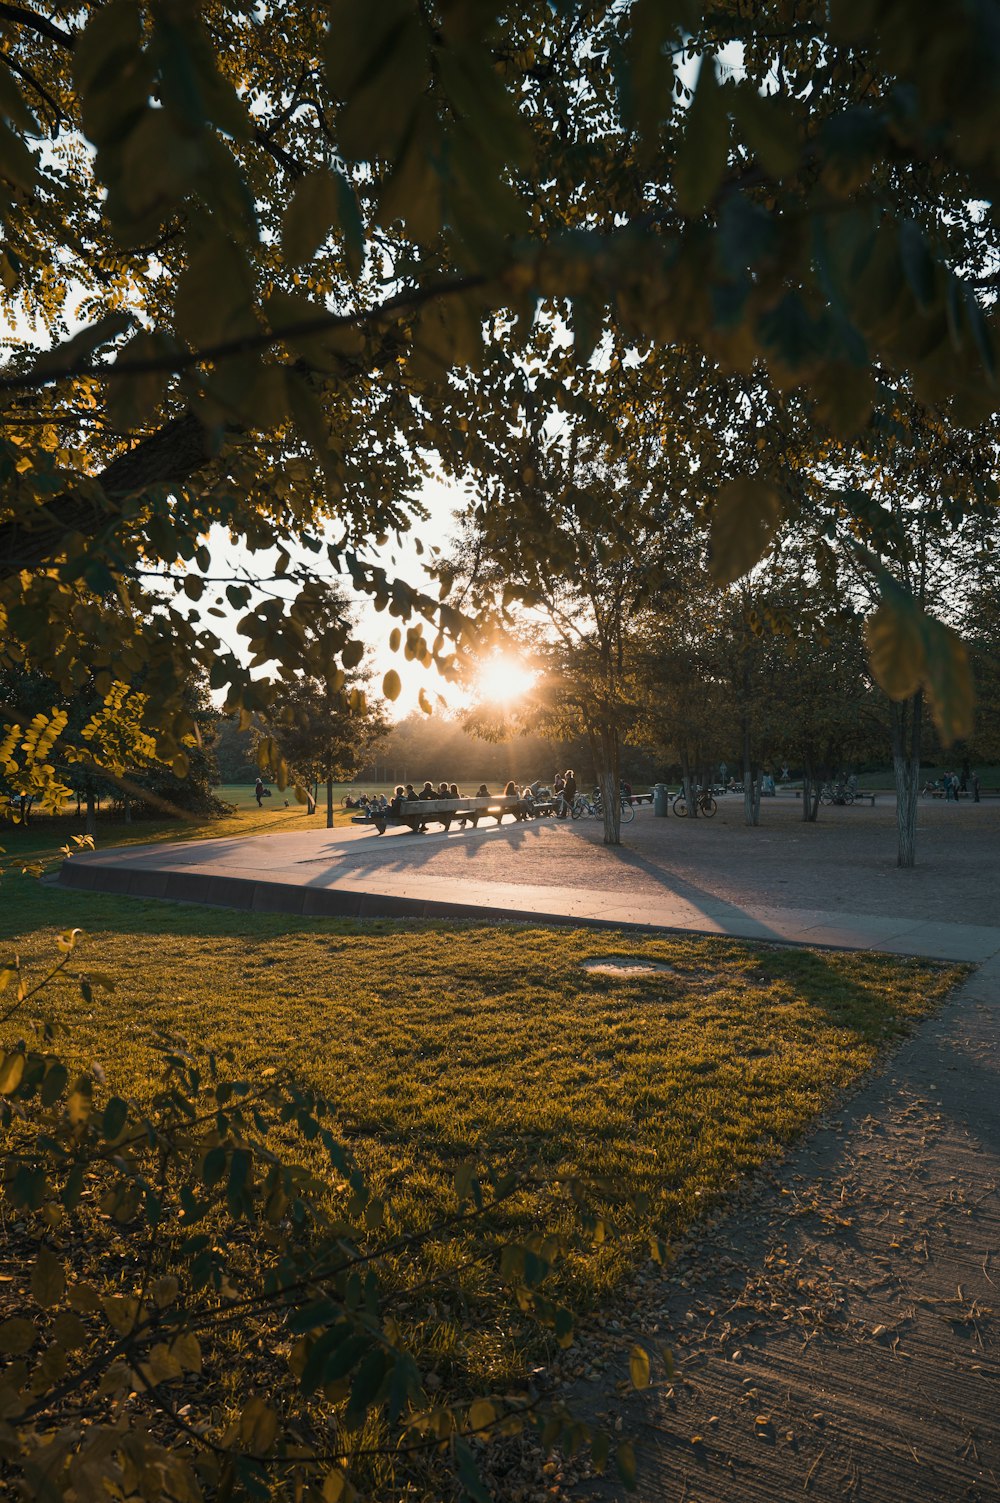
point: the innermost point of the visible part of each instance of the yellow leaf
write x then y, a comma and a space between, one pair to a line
48, 1281
481, 1414
334, 1487
896, 648
258, 1425
743, 520
11, 1071
638, 1367
187, 1351
391, 685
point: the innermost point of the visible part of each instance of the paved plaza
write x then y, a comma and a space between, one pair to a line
832, 883
835, 1330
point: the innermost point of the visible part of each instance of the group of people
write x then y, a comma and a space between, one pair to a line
954, 786
561, 794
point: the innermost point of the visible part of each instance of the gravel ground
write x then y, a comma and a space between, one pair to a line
846, 862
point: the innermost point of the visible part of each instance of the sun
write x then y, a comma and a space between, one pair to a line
503, 678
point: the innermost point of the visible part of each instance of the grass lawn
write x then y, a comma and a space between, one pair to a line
44, 838
444, 1044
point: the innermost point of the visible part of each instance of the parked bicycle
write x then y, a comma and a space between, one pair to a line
836, 793
594, 805
703, 800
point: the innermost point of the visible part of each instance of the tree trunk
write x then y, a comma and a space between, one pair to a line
751, 792
688, 785
128, 810
810, 794
608, 780
907, 716
329, 803
90, 828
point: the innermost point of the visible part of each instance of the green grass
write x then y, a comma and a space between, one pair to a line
443, 1044
45, 837
47, 833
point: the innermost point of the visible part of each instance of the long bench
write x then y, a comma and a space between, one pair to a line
444, 811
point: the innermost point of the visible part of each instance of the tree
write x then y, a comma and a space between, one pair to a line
286, 239
322, 737
911, 505
572, 558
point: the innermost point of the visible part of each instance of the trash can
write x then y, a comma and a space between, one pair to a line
661, 799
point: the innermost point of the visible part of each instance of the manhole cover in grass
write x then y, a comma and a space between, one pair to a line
621, 965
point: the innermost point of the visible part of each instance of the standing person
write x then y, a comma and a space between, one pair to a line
258, 791
568, 793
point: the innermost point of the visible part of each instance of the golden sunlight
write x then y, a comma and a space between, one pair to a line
503, 678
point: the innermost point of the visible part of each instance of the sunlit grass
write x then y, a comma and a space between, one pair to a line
449, 1044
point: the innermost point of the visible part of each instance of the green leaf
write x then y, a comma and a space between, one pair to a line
134, 398
12, 104
702, 155
378, 63
468, 1474
11, 1071
600, 1450
365, 1388
352, 227
54, 1084
625, 1462
114, 1119
949, 681
896, 646
638, 1367
48, 1281
309, 217
17, 162
744, 516
258, 1425
79, 349
17, 1336
918, 263
214, 299
648, 81
769, 129
481, 1414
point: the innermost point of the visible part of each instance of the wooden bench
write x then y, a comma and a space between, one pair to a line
641, 798
444, 811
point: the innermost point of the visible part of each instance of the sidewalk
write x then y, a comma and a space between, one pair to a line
833, 884
836, 1335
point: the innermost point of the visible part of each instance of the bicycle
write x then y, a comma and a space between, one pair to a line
704, 804
841, 793
583, 805
596, 807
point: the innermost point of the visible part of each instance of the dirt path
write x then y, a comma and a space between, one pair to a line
836, 1335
